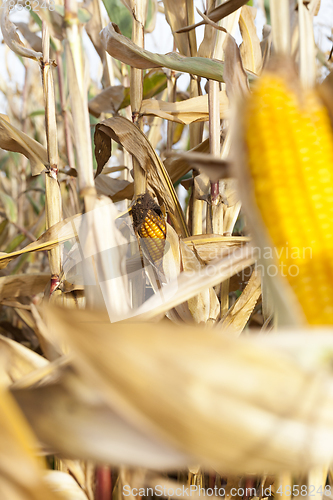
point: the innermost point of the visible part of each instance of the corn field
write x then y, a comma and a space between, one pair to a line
166, 245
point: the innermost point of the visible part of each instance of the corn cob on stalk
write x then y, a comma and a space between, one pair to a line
289, 143
150, 226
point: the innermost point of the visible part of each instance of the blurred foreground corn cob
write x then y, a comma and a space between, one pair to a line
289, 142
149, 224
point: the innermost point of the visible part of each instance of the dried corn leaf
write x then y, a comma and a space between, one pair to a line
136, 143
250, 48
73, 418
117, 189
17, 454
177, 165
22, 285
181, 394
16, 361
176, 14
218, 13
104, 270
122, 48
210, 247
34, 40
13, 139
60, 232
64, 484
107, 101
238, 315
187, 286
234, 74
205, 305
188, 111
11, 37
215, 168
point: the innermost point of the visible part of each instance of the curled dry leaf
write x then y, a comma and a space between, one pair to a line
180, 393
11, 37
13, 139
136, 143
188, 111
34, 40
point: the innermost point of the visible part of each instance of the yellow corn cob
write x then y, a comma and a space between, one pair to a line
290, 157
153, 231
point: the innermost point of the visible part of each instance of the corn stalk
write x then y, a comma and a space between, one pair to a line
53, 197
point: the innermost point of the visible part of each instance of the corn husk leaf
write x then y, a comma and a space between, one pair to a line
280, 21
13, 139
136, 143
307, 47
186, 112
181, 394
